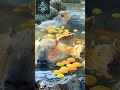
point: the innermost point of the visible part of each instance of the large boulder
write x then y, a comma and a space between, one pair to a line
58, 4
71, 82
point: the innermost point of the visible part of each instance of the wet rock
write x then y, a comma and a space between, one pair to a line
53, 13
40, 75
82, 83
70, 83
71, 1
58, 5
67, 83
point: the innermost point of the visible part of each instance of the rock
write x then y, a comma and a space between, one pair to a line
40, 75
40, 18
57, 4
53, 13
67, 83
70, 83
82, 83
71, 1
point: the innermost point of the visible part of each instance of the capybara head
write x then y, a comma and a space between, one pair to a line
64, 16
102, 55
20, 59
46, 51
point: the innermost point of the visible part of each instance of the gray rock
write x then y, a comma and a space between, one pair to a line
67, 83
71, 1
40, 75
57, 4
82, 83
70, 83
53, 12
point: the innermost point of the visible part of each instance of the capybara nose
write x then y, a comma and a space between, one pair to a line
82, 54
42, 60
42, 63
114, 67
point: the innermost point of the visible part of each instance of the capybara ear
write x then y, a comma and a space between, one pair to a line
93, 44
56, 42
92, 18
115, 43
89, 22
61, 13
83, 43
40, 39
12, 32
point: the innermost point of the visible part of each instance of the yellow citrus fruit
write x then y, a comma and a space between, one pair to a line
77, 64
116, 15
71, 59
97, 11
60, 75
65, 62
100, 88
75, 30
59, 64
56, 72
90, 80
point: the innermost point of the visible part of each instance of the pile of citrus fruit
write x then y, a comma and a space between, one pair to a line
69, 65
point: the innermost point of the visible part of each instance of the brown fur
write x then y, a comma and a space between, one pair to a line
102, 55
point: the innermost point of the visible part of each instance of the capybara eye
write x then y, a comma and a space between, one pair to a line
44, 86
53, 48
62, 15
